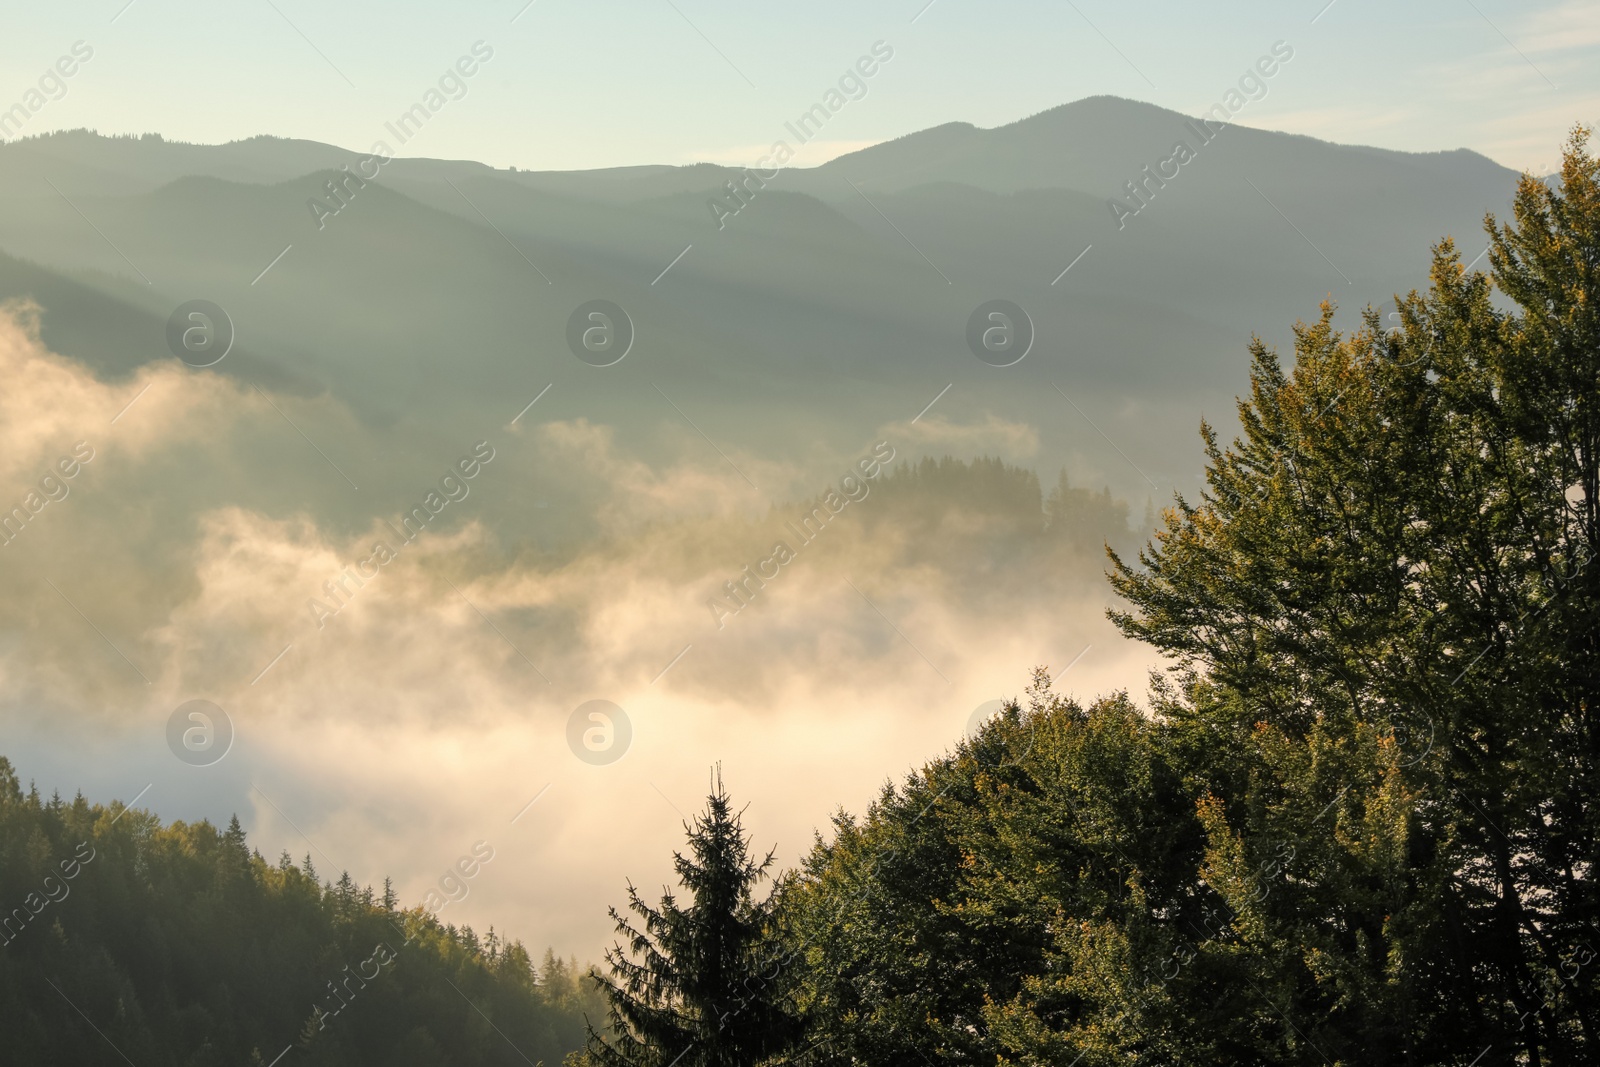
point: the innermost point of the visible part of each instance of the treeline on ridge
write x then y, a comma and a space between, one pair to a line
177, 944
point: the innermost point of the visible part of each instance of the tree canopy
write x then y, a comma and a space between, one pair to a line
177, 944
690, 987
1357, 821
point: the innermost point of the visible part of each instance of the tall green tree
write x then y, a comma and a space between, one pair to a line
1397, 556
1357, 823
694, 986
1029, 898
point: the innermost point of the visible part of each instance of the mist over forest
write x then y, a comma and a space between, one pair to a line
938, 558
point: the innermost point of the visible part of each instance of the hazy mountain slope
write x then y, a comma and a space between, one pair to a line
116, 329
835, 299
80, 162
1096, 144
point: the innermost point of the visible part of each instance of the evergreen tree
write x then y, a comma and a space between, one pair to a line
692, 986
1358, 824
1389, 611
1031, 898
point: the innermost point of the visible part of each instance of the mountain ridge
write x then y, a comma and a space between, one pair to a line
454, 280
227, 159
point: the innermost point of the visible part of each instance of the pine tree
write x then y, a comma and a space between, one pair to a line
693, 986
236, 854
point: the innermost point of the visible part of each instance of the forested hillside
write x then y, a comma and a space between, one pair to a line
176, 944
1356, 822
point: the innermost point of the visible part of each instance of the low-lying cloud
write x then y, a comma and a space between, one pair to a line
430, 708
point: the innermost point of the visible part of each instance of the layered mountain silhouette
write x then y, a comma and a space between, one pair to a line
834, 299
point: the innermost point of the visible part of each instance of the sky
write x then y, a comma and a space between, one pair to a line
576, 86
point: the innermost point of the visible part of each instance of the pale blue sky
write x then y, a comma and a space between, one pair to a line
633, 81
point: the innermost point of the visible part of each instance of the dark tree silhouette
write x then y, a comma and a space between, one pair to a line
693, 987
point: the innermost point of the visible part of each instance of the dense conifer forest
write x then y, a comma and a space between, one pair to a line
176, 944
